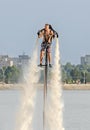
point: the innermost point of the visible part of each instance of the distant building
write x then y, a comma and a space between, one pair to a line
24, 60
20, 61
15, 61
85, 60
5, 61
82, 60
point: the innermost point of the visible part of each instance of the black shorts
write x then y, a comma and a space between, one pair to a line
44, 45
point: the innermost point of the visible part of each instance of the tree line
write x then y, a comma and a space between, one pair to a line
75, 73
10, 74
70, 74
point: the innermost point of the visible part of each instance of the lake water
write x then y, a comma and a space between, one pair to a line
76, 109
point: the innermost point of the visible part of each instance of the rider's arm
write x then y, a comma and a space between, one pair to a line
55, 33
40, 33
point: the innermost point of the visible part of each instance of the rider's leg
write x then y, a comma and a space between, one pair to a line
41, 56
42, 52
49, 57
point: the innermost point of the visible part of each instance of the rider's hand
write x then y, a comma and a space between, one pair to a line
38, 34
57, 35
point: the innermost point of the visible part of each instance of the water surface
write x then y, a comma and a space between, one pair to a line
76, 109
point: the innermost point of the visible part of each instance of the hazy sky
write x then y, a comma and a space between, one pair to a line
21, 19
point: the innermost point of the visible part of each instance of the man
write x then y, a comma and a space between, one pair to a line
48, 34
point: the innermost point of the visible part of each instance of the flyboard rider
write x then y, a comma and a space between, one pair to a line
48, 34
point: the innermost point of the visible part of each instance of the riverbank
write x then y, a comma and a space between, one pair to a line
4, 86
64, 86
76, 86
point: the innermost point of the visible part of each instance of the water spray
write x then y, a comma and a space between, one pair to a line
54, 102
31, 77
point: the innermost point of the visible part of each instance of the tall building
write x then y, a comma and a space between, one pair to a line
5, 60
24, 60
82, 60
85, 60
20, 61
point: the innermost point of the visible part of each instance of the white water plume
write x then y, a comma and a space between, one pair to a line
25, 115
54, 103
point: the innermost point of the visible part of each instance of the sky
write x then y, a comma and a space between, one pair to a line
21, 19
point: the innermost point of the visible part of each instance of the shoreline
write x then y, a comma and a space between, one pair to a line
76, 87
4, 86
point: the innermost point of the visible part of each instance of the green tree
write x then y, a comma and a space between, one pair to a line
1, 75
64, 75
11, 74
68, 67
88, 68
75, 74
88, 77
